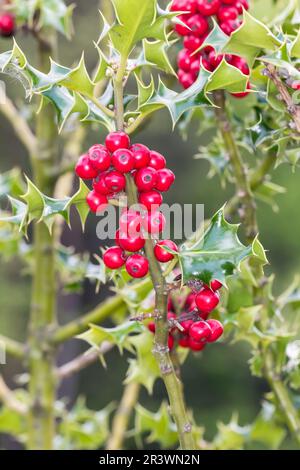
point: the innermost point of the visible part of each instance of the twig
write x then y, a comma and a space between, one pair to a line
14, 348
9, 399
19, 125
122, 416
83, 361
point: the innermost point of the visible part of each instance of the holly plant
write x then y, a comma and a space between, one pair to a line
237, 77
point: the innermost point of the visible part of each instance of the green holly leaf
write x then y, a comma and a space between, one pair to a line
266, 428
119, 336
295, 48
11, 182
144, 368
156, 54
159, 426
216, 254
231, 436
227, 77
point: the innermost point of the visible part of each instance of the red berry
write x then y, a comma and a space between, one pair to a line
184, 341
198, 25
117, 237
228, 27
227, 13
151, 326
115, 181
200, 331
192, 42
157, 160
216, 285
195, 68
151, 200
208, 7
84, 168
184, 60
195, 345
117, 140
184, 5
155, 223
97, 202
240, 63
130, 223
243, 94
162, 255
99, 157
146, 179
205, 63
229, 2
164, 179
123, 160
207, 300
100, 187
137, 266
240, 5
295, 85
186, 324
190, 303
141, 155
170, 342
216, 330
7, 25
131, 244
114, 257
215, 59
185, 79
181, 29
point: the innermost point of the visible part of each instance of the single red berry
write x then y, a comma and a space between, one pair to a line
123, 160
227, 13
151, 326
195, 345
240, 64
190, 303
200, 331
243, 94
100, 187
206, 64
131, 244
215, 59
84, 168
192, 42
146, 178
184, 5
117, 140
141, 155
296, 85
180, 28
161, 254
157, 160
155, 223
216, 285
7, 25
195, 68
130, 223
198, 25
171, 342
184, 60
99, 157
186, 324
228, 27
137, 266
185, 79
207, 300
115, 181
151, 200
184, 341
216, 330
164, 179
241, 5
97, 202
117, 237
114, 257
208, 7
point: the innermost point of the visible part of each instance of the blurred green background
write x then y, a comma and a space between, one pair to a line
218, 382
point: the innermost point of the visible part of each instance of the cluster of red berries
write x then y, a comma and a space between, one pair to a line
109, 166
197, 26
196, 329
7, 24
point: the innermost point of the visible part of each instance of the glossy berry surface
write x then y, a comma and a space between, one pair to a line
131, 244
117, 140
114, 257
141, 155
208, 7
200, 331
99, 157
115, 181
84, 168
100, 187
207, 300
161, 254
164, 179
216, 285
157, 161
97, 202
137, 266
146, 179
7, 25
151, 200
154, 223
123, 160
216, 330
195, 345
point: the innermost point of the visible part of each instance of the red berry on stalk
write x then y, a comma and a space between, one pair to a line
195, 345
208, 7
141, 155
207, 300
157, 160
216, 285
164, 179
97, 202
198, 25
123, 160
155, 223
117, 140
192, 42
227, 13
151, 200
216, 330
7, 25
115, 181
84, 168
200, 331
146, 179
131, 244
99, 157
184, 60
100, 187
114, 257
137, 266
185, 79
161, 254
